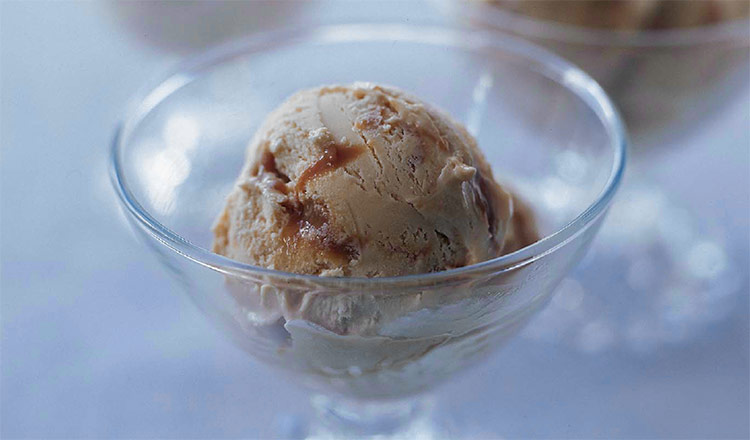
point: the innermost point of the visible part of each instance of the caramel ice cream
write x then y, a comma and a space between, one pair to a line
631, 14
365, 180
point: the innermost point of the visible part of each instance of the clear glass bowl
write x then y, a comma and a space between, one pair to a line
547, 129
661, 80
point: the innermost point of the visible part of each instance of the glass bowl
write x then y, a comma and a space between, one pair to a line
548, 130
661, 80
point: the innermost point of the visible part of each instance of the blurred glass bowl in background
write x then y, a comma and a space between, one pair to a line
194, 25
662, 79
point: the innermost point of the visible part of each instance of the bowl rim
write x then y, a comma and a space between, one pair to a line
735, 31
548, 64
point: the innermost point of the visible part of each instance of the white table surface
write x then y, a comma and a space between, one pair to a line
98, 342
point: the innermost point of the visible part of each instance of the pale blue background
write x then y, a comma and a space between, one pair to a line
97, 342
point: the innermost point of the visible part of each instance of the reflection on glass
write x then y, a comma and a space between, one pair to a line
165, 166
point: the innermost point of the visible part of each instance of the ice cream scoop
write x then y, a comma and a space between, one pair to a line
366, 180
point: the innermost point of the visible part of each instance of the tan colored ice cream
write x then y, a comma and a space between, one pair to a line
631, 14
366, 180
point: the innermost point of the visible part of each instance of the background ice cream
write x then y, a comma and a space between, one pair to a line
631, 14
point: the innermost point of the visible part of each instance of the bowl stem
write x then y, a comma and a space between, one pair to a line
345, 418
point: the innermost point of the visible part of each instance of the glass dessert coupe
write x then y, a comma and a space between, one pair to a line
370, 347
661, 79
670, 267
